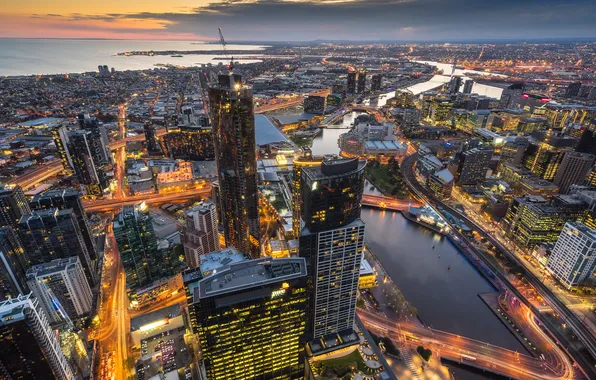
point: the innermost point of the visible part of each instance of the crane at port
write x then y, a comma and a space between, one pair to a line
225, 49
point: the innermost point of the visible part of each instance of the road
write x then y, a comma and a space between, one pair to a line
114, 204
582, 331
114, 320
38, 175
470, 351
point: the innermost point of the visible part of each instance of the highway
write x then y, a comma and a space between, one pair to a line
114, 204
581, 330
40, 174
470, 351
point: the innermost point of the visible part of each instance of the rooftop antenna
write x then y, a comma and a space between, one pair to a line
225, 49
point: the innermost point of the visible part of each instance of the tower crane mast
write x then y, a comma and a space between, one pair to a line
225, 49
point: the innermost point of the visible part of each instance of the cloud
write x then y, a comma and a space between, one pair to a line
368, 19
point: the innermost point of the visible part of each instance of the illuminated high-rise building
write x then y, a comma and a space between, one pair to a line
13, 205
200, 234
573, 259
62, 288
299, 163
361, 82
60, 135
86, 154
375, 82
511, 96
51, 234
544, 155
190, 142
250, 319
332, 241
231, 106
29, 348
13, 264
100, 138
351, 82
574, 170
63, 199
153, 146
135, 237
470, 167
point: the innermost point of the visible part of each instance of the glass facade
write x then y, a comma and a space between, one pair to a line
231, 107
299, 163
250, 319
12, 265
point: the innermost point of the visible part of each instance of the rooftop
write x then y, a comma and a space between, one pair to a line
250, 274
54, 266
146, 319
334, 168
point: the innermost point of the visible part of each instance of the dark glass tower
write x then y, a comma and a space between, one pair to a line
68, 198
250, 318
13, 265
232, 116
137, 244
52, 234
29, 348
87, 156
13, 205
332, 242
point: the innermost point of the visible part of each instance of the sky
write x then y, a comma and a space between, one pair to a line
299, 20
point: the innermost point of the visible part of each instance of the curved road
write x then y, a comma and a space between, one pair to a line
570, 318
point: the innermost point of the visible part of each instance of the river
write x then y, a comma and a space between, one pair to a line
445, 299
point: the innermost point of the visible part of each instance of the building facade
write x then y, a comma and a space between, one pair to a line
573, 258
29, 348
231, 105
62, 288
574, 170
52, 234
200, 234
250, 319
332, 241
13, 264
13, 205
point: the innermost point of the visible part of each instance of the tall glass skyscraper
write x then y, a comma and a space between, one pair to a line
232, 117
29, 348
332, 241
250, 319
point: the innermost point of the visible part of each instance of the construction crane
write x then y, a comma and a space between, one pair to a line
225, 49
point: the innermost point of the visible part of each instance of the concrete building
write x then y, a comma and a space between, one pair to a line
29, 348
62, 288
441, 183
200, 234
470, 167
574, 170
573, 258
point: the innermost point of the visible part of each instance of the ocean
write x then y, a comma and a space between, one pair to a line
59, 56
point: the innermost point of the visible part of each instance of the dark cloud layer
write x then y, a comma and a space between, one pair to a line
280, 20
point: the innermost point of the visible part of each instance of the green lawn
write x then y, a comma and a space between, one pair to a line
379, 176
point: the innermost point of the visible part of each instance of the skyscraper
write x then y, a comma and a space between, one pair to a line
29, 348
454, 84
573, 89
468, 84
100, 137
200, 234
231, 107
351, 82
13, 265
137, 244
13, 205
511, 96
574, 170
332, 241
63, 199
60, 135
470, 167
299, 163
87, 159
250, 317
573, 258
361, 89
52, 234
375, 82
62, 288
543, 158
153, 147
